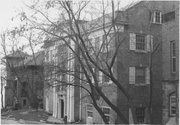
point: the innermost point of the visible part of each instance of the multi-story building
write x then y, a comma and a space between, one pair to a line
141, 67
3, 84
138, 67
142, 64
170, 57
24, 79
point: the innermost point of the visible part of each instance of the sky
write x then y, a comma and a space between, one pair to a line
10, 8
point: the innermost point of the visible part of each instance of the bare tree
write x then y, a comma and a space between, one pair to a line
75, 33
16, 71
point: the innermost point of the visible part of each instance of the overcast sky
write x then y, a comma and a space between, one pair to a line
9, 8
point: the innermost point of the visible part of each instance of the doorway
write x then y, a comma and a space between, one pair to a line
60, 108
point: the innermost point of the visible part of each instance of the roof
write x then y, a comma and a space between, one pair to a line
38, 59
18, 54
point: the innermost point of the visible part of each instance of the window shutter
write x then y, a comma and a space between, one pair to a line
154, 16
147, 75
97, 43
131, 75
160, 17
151, 43
132, 41
100, 76
148, 43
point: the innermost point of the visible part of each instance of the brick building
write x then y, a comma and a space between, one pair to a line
170, 56
59, 99
24, 79
141, 67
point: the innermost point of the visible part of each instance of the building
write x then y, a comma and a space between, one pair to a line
170, 56
3, 84
24, 80
140, 67
139, 27
59, 99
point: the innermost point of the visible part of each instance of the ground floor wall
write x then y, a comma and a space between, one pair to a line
170, 115
90, 115
9, 97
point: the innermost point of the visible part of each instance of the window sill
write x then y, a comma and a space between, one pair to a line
171, 115
140, 51
143, 84
156, 23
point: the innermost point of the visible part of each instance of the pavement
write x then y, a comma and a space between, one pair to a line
54, 120
25, 116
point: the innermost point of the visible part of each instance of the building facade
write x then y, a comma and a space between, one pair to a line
60, 98
24, 81
141, 67
170, 56
142, 64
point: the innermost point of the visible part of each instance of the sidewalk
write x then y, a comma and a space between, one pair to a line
54, 120
25, 116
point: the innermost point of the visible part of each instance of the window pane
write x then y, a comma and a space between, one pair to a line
173, 105
89, 107
105, 78
140, 75
140, 42
173, 56
157, 15
173, 49
107, 117
89, 114
174, 64
106, 110
169, 16
140, 114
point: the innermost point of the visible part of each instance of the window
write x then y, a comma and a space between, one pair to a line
108, 42
140, 114
172, 104
139, 75
89, 110
105, 78
97, 42
173, 56
47, 56
89, 44
156, 17
140, 42
24, 102
168, 16
106, 111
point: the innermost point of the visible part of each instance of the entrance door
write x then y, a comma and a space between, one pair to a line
61, 108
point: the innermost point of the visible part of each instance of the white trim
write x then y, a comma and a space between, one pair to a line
154, 17
170, 98
89, 110
109, 115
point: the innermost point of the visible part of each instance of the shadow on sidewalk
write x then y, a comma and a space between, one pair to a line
26, 115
